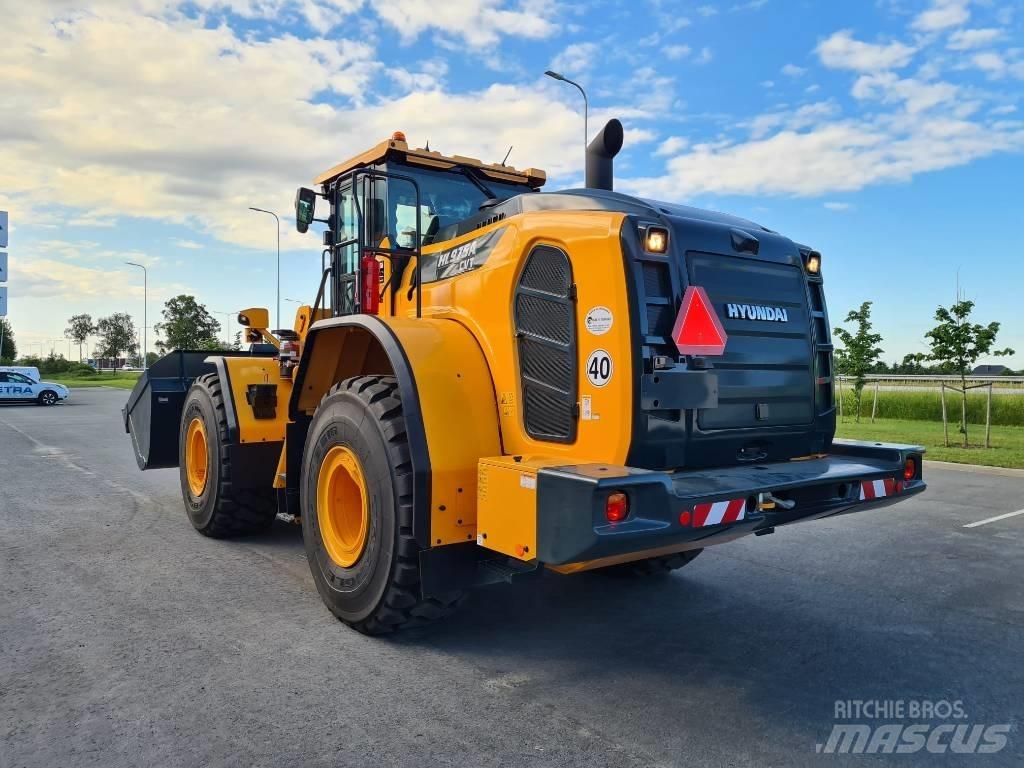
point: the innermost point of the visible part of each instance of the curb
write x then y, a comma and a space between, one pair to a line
976, 468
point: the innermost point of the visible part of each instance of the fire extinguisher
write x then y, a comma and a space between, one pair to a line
369, 292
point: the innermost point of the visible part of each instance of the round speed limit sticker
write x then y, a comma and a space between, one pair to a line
599, 368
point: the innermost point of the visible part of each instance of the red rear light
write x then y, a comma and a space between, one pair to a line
685, 517
616, 507
910, 470
369, 297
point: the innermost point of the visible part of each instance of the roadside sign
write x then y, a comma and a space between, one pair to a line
3, 266
3, 301
3, 229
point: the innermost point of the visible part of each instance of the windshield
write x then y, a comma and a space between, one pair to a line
446, 197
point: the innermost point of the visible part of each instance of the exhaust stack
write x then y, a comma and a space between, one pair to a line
600, 153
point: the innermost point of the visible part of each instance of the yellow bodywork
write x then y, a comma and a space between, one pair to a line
507, 503
482, 301
464, 358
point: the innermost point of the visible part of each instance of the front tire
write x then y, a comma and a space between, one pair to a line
215, 507
47, 397
357, 509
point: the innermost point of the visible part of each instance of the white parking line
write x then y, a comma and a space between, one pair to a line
993, 519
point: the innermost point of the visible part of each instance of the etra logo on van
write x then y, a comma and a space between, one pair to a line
756, 312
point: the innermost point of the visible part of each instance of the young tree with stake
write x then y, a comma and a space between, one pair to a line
860, 350
80, 328
957, 344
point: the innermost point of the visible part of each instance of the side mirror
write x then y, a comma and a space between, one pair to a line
257, 317
305, 207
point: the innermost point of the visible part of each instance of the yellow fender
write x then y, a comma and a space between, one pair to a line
447, 395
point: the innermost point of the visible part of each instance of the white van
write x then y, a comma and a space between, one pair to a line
31, 371
19, 387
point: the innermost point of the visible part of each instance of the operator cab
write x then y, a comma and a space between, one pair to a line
388, 203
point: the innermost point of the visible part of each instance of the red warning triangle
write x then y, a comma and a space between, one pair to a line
698, 331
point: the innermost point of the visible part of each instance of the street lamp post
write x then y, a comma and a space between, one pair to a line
145, 301
262, 210
227, 322
586, 107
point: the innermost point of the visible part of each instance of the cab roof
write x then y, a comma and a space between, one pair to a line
397, 148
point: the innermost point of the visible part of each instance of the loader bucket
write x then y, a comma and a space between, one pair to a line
153, 411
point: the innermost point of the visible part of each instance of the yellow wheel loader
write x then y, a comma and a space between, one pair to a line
493, 381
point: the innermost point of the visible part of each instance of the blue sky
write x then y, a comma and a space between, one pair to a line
887, 134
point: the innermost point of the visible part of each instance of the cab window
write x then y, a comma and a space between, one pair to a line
446, 198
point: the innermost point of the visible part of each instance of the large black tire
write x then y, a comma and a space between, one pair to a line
653, 566
379, 592
221, 510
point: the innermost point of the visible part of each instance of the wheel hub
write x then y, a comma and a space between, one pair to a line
342, 506
196, 456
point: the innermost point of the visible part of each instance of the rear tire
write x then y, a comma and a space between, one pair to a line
372, 580
214, 506
654, 566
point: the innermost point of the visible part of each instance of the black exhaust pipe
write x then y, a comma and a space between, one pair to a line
600, 153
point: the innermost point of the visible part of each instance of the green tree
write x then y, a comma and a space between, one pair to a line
860, 351
236, 345
957, 343
80, 328
117, 335
8, 347
187, 325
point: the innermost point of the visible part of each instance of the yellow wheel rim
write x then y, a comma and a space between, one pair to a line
196, 456
342, 506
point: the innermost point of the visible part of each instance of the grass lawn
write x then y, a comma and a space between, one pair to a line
1007, 442
120, 379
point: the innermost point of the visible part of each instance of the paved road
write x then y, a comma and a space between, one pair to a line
128, 639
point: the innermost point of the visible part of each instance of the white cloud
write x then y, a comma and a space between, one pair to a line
706, 10
1005, 109
676, 52
915, 95
792, 70
206, 123
989, 62
575, 59
842, 51
704, 57
833, 206
941, 15
672, 146
191, 245
479, 23
832, 156
965, 39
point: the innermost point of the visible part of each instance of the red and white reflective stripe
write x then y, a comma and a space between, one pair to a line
719, 512
879, 489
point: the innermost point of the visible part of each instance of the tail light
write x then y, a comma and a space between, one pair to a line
910, 469
616, 507
369, 284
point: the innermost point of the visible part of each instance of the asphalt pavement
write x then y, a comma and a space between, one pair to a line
128, 639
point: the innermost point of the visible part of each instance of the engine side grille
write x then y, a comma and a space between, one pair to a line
545, 318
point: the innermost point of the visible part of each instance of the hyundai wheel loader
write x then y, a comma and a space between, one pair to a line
493, 381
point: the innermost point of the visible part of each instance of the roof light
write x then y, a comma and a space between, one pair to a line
697, 330
398, 136
813, 263
656, 240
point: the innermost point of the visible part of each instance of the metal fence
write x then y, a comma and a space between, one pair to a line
893, 382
